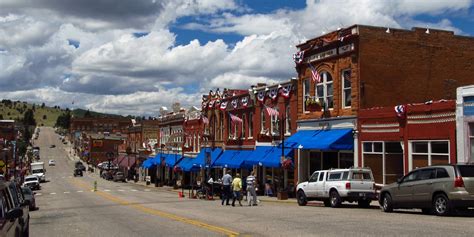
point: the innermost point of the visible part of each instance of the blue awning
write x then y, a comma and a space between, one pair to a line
170, 160
233, 158
147, 163
201, 157
257, 155
268, 156
188, 164
333, 139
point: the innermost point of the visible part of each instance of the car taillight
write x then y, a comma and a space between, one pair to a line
458, 182
348, 185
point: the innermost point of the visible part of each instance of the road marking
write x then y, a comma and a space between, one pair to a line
120, 190
67, 192
147, 190
133, 190
80, 191
38, 194
106, 190
163, 214
52, 193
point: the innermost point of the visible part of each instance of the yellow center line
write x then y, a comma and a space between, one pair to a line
157, 212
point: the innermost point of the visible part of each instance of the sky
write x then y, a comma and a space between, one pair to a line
132, 57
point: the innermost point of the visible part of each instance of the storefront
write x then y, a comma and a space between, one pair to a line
324, 144
465, 124
394, 141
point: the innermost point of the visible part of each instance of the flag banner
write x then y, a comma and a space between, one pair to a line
314, 74
261, 96
298, 57
272, 111
211, 104
235, 119
205, 120
273, 93
223, 105
218, 102
235, 103
245, 101
285, 91
401, 111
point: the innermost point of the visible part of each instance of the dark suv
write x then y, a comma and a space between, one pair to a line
439, 189
10, 214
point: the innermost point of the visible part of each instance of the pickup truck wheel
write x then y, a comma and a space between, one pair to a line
364, 203
441, 205
302, 201
387, 205
327, 203
335, 199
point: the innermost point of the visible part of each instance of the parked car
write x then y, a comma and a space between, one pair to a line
119, 176
52, 163
29, 197
9, 214
18, 200
77, 172
79, 165
439, 189
32, 181
336, 186
107, 175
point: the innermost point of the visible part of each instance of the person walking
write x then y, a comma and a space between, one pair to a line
251, 185
226, 192
236, 188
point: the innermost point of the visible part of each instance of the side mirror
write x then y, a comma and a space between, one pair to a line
14, 214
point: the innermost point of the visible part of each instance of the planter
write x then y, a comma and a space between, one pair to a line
282, 195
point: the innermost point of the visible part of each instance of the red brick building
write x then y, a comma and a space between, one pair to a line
95, 125
100, 145
393, 145
363, 67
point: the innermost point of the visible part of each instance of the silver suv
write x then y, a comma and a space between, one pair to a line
439, 189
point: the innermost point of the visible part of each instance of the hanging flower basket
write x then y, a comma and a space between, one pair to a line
287, 164
313, 104
177, 169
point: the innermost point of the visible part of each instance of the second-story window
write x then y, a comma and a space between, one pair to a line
287, 120
346, 88
275, 123
305, 93
242, 131
263, 121
250, 125
324, 90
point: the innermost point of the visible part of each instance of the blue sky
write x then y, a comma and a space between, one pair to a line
132, 57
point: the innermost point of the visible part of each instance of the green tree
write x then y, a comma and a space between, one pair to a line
64, 120
29, 118
42, 105
87, 114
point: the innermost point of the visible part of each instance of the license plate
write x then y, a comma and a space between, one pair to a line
361, 194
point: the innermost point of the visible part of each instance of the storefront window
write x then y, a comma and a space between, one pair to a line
425, 153
324, 90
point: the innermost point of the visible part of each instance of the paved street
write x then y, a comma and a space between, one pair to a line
69, 207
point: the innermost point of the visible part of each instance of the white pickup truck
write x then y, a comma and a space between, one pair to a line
338, 185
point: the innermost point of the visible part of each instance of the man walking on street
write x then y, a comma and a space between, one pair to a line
226, 182
251, 185
236, 188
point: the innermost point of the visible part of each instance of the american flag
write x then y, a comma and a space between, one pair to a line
272, 111
205, 120
235, 119
314, 74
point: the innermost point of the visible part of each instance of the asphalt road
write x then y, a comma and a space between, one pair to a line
69, 207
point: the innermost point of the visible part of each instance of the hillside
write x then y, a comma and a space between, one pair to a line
44, 115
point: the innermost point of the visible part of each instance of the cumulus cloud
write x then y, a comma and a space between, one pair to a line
114, 71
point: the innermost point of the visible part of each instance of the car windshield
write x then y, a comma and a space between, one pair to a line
31, 179
37, 171
466, 170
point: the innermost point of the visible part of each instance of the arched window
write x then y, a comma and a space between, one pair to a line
242, 131
275, 123
324, 90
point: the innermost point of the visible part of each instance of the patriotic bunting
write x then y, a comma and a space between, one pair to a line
298, 57
235, 103
273, 93
223, 105
235, 119
211, 104
261, 96
204, 104
285, 91
205, 120
401, 111
245, 101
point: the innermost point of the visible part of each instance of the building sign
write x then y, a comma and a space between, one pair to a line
329, 53
468, 106
97, 143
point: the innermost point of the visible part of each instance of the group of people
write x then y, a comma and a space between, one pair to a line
232, 187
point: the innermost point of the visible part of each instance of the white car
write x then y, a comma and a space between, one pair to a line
32, 181
338, 185
52, 163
